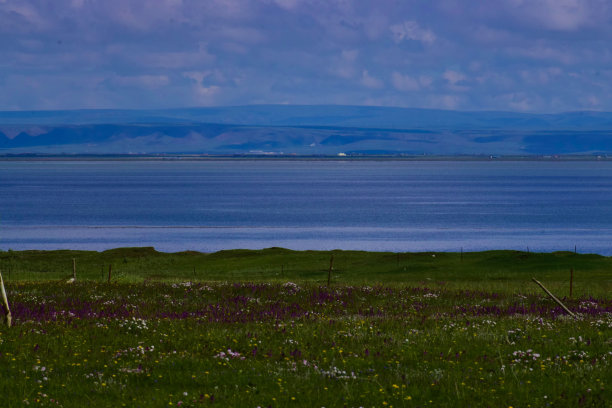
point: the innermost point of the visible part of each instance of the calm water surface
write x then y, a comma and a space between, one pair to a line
369, 205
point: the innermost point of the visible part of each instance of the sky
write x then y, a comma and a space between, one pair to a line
540, 56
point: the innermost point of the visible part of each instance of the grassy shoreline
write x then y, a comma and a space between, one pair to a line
508, 271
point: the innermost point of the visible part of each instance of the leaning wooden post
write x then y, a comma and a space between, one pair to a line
73, 269
7, 311
554, 298
331, 266
571, 281
110, 269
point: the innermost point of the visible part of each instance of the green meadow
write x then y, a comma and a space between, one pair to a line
280, 328
492, 270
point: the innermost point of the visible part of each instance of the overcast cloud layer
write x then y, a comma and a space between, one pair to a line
518, 55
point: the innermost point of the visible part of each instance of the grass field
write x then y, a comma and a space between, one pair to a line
262, 328
491, 270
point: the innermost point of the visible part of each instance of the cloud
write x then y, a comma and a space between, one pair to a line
425, 81
369, 81
145, 81
205, 94
21, 17
350, 55
444, 101
410, 30
540, 76
242, 35
404, 82
453, 77
562, 15
344, 65
539, 55
162, 60
288, 4
517, 101
544, 52
590, 102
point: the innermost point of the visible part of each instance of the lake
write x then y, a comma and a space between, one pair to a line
366, 205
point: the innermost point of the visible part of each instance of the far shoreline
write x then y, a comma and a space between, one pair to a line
290, 157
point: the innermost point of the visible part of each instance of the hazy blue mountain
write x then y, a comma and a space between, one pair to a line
304, 130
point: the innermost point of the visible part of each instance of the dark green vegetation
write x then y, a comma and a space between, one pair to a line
263, 329
491, 270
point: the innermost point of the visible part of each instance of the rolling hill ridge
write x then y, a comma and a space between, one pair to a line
304, 130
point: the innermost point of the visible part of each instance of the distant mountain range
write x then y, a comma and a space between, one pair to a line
304, 130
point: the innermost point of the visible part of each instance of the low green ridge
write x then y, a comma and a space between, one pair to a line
487, 270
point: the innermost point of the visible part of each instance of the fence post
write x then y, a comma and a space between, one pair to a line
554, 298
331, 266
7, 312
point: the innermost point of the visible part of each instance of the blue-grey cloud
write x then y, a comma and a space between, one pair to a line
526, 55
